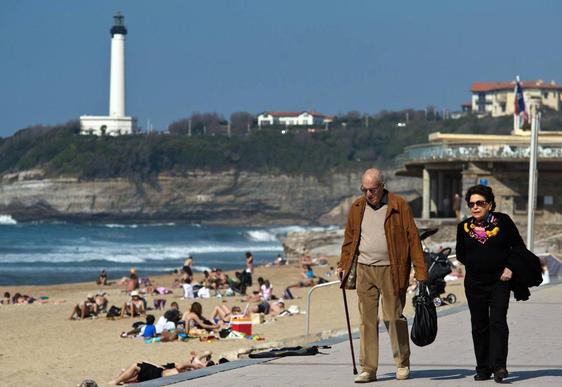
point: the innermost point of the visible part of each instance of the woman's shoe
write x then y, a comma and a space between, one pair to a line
500, 374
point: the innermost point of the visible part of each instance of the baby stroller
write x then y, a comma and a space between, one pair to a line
438, 266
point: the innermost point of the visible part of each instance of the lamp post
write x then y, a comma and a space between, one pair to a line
533, 173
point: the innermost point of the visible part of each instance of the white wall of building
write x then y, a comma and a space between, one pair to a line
106, 125
304, 118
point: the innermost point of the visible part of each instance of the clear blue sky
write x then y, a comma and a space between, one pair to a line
256, 55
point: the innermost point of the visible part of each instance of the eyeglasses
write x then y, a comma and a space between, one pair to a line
478, 203
374, 190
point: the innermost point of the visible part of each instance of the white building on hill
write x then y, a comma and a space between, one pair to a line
498, 98
305, 118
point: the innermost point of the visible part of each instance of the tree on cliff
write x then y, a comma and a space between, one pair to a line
61, 151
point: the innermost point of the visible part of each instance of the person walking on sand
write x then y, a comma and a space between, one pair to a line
382, 235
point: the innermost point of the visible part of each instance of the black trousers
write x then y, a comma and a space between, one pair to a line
488, 303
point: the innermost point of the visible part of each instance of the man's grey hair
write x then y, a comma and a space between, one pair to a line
380, 174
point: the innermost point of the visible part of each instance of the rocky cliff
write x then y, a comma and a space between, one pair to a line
229, 197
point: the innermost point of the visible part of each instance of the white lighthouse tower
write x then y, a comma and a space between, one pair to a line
117, 122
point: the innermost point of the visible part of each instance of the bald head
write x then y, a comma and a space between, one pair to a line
372, 177
372, 185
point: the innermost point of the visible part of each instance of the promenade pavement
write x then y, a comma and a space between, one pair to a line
534, 355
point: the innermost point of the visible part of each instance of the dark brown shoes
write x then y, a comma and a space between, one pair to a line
500, 374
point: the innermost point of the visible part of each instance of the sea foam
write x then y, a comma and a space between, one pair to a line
7, 219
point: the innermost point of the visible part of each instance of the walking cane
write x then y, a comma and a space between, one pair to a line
349, 330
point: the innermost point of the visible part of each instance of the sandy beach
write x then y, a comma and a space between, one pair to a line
42, 347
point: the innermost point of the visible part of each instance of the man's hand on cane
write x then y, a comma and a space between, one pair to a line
339, 272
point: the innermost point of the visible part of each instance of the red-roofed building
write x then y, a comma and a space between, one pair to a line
304, 118
497, 98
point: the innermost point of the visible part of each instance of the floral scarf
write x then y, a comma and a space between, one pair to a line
482, 230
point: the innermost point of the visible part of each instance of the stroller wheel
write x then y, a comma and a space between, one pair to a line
437, 301
451, 298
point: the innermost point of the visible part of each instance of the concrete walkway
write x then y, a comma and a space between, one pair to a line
535, 355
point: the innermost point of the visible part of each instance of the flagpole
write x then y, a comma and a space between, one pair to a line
533, 173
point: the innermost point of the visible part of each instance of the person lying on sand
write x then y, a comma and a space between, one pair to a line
224, 313
87, 308
144, 370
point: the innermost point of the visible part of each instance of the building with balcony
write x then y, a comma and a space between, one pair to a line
451, 163
498, 98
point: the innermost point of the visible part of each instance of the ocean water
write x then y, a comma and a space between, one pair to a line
51, 253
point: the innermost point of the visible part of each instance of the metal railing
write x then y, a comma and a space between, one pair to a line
428, 152
307, 325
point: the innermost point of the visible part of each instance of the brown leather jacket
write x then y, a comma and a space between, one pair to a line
404, 247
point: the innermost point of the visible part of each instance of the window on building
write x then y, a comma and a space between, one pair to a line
520, 203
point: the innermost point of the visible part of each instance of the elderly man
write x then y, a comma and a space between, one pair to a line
382, 235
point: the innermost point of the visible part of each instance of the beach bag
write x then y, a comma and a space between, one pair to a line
424, 328
113, 312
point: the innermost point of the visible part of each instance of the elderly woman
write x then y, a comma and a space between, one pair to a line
483, 244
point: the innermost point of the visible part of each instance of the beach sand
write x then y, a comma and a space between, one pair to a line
41, 347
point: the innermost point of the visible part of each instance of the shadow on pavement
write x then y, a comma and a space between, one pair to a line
517, 376
437, 374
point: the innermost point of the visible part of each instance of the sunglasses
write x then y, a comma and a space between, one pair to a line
374, 190
478, 203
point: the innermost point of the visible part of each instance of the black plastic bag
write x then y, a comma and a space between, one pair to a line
424, 329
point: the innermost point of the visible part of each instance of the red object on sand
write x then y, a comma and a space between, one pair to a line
242, 325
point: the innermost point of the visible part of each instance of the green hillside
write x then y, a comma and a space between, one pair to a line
346, 145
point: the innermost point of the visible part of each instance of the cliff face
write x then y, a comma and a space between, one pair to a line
228, 198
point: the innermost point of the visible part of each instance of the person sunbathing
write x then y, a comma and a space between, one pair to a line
101, 300
135, 307
194, 319
88, 308
102, 278
144, 370
224, 313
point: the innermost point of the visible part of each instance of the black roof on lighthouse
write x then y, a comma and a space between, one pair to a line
118, 25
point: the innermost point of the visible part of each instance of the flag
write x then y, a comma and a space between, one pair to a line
519, 108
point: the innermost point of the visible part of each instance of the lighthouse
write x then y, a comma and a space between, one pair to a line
116, 123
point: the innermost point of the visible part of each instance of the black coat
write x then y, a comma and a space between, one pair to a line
527, 272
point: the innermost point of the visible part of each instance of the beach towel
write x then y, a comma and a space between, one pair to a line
290, 351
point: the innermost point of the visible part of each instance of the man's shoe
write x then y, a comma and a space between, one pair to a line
500, 374
365, 377
481, 377
402, 373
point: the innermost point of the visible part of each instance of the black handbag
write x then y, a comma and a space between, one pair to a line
424, 328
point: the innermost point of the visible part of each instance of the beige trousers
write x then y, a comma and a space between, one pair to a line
374, 283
